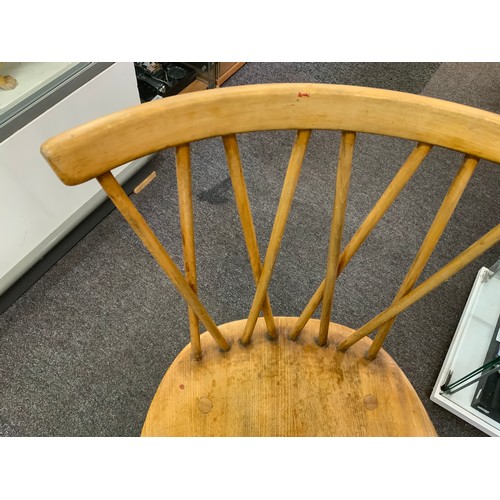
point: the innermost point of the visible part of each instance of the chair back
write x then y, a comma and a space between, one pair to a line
93, 150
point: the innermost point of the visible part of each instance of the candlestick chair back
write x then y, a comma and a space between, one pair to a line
269, 375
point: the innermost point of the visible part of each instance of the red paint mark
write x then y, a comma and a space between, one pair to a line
181, 386
303, 94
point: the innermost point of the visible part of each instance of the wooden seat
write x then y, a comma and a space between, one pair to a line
285, 388
273, 375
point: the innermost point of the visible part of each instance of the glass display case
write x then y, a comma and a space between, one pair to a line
468, 384
156, 80
163, 79
36, 210
40, 85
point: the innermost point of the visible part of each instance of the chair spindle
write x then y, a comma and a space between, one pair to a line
284, 205
337, 226
151, 242
243, 205
405, 173
437, 228
483, 244
185, 193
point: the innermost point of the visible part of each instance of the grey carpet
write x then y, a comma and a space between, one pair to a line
82, 352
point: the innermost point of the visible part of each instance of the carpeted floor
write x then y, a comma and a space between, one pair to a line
82, 352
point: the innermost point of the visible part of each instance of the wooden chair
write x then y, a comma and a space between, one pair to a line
285, 376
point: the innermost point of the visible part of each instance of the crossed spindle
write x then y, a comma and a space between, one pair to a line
336, 260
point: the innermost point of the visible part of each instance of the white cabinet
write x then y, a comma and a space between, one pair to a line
36, 209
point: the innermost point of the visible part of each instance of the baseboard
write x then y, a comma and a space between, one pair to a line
37, 270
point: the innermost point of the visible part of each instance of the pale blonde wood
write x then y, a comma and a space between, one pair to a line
227, 70
405, 173
337, 226
151, 242
116, 139
431, 239
284, 205
185, 194
308, 311
491, 238
285, 388
146, 182
243, 205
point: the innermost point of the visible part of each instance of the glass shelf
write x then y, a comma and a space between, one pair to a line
469, 348
31, 77
40, 85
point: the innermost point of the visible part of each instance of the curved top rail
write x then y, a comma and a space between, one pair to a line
92, 149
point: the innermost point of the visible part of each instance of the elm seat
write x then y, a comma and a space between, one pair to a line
285, 388
273, 375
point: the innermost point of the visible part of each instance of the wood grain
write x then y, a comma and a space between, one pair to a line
245, 213
337, 226
405, 173
146, 182
186, 218
118, 138
156, 249
431, 239
284, 205
226, 70
484, 243
285, 388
